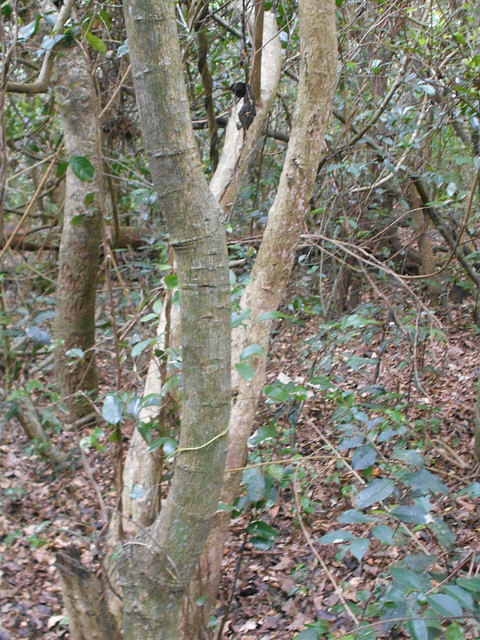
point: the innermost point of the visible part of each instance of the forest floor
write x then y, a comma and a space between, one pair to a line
268, 593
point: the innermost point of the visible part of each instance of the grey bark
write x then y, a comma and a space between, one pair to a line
157, 565
79, 245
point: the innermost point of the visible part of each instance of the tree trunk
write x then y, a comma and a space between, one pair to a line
141, 467
157, 565
271, 272
79, 245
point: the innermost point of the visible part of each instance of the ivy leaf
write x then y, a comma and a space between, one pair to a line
376, 491
82, 168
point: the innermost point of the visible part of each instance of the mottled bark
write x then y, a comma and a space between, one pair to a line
157, 565
79, 245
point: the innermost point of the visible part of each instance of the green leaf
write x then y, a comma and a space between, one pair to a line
339, 3
112, 410
239, 318
409, 579
313, 631
424, 481
276, 393
255, 482
411, 514
375, 491
75, 353
96, 43
171, 281
352, 516
472, 490
252, 350
460, 595
272, 315
245, 371
418, 629
383, 533
472, 585
82, 168
336, 536
221, 506
141, 346
265, 432
137, 492
454, 632
89, 198
77, 219
363, 457
445, 605
358, 548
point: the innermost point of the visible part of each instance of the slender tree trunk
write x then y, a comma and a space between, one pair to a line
157, 565
79, 245
271, 273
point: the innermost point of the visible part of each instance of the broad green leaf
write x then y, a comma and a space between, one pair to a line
254, 481
364, 457
272, 315
96, 43
336, 536
239, 318
245, 370
424, 481
315, 630
460, 595
112, 410
137, 492
409, 579
321, 381
252, 350
352, 516
454, 632
443, 533
411, 514
89, 198
445, 605
472, 490
140, 347
418, 629
171, 281
410, 456
82, 168
260, 528
221, 506
75, 353
358, 548
265, 432
276, 393
383, 533
375, 491
472, 585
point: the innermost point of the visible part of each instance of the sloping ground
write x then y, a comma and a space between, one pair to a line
277, 582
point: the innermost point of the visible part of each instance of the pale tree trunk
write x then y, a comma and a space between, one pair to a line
141, 467
240, 147
79, 245
271, 272
157, 565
